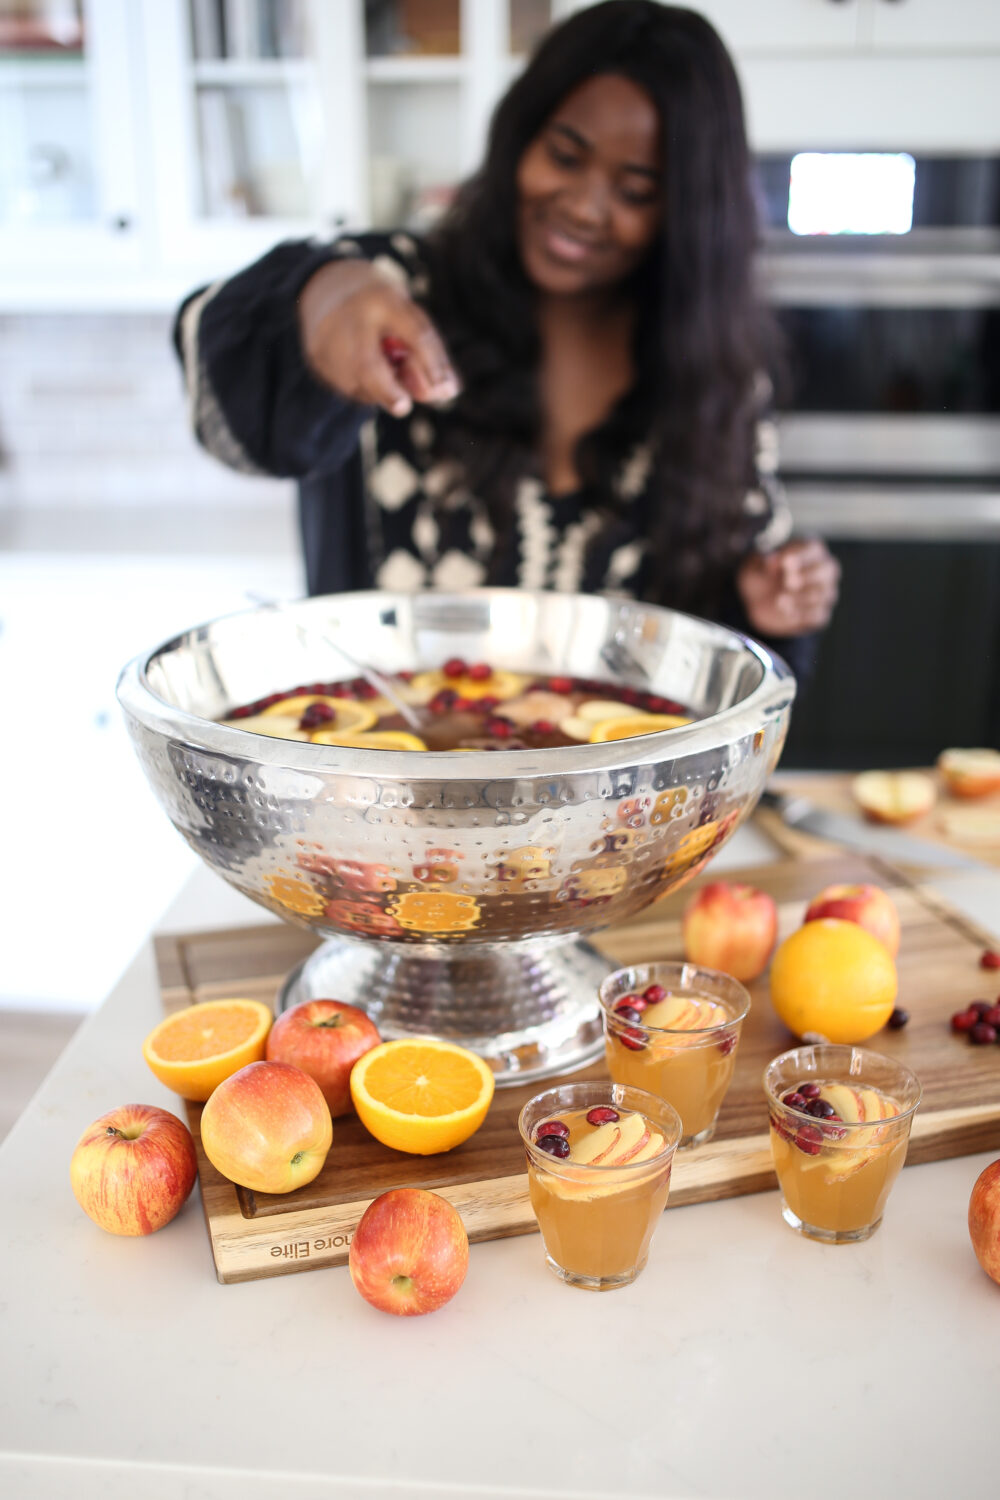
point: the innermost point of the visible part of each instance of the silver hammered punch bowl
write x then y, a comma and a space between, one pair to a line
452, 889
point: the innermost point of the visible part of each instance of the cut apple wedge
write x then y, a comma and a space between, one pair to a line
970, 773
894, 796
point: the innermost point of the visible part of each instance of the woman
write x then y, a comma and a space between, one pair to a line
568, 376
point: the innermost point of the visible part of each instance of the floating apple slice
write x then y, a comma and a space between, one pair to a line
596, 709
894, 796
277, 726
970, 773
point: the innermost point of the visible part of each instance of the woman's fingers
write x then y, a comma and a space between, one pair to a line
417, 351
379, 383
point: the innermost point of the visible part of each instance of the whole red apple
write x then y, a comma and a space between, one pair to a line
732, 928
133, 1169
324, 1038
984, 1219
267, 1127
868, 905
410, 1252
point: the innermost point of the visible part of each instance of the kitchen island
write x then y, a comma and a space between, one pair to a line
744, 1360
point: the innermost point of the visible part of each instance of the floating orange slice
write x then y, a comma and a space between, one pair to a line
193, 1050
376, 739
421, 1095
351, 715
499, 684
634, 724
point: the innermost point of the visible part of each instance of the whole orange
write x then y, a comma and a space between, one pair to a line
835, 978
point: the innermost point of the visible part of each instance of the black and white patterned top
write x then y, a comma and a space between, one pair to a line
377, 507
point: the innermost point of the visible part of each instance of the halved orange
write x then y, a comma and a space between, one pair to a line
351, 718
634, 724
375, 739
193, 1050
420, 1095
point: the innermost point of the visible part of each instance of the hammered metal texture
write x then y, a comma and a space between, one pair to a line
435, 853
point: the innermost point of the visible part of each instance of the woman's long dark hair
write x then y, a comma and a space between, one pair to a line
701, 336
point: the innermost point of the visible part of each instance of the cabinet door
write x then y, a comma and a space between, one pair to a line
749, 26
68, 182
255, 112
932, 25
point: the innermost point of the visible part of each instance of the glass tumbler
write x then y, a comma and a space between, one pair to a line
688, 1061
597, 1218
840, 1122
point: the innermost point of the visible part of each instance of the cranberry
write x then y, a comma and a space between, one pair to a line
898, 1019
809, 1090
990, 959
633, 1039
809, 1139
499, 728
964, 1020
601, 1114
726, 1043
317, 714
406, 676
553, 1127
627, 1012
653, 993
543, 726
560, 684
487, 704
463, 705
795, 1100
635, 1002
480, 671
780, 1127
454, 667
555, 1145
821, 1108
982, 1033
981, 1008
443, 702
628, 695
363, 689
832, 1131
992, 1017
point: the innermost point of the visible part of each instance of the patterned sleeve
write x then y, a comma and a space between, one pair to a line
253, 401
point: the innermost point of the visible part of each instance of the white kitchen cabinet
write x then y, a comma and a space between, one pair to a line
817, 27
161, 152
933, 25
70, 179
783, 26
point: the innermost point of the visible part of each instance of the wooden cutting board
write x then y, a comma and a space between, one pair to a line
255, 1235
964, 825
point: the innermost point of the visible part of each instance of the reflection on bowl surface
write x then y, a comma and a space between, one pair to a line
437, 852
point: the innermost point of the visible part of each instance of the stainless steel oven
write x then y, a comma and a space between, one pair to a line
889, 416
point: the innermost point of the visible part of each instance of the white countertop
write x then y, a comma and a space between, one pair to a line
744, 1362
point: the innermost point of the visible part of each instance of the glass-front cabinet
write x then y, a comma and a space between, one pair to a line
69, 180
149, 144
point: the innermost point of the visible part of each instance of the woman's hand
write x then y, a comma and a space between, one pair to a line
347, 313
790, 591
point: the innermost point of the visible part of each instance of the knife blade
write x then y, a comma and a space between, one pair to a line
888, 843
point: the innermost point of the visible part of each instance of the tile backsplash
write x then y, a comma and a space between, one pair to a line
92, 415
